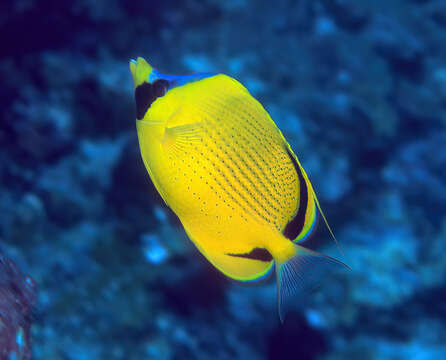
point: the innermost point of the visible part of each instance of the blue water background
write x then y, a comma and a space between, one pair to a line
357, 87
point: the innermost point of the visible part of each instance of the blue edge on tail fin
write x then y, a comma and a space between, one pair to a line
302, 274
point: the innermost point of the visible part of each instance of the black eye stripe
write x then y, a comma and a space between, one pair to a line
146, 94
160, 87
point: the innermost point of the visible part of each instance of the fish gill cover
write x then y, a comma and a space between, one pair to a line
357, 87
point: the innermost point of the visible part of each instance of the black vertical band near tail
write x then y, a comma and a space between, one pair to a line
296, 224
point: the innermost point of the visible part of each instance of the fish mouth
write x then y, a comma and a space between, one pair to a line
140, 70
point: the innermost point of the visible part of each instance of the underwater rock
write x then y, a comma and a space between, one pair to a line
437, 11
154, 251
44, 120
417, 105
17, 300
28, 218
285, 341
426, 182
403, 50
75, 187
350, 15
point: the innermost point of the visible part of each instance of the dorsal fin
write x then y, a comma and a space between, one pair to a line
326, 223
303, 173
297, 223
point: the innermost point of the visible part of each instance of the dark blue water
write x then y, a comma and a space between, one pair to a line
357, 87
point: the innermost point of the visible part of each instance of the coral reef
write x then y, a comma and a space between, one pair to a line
17, 299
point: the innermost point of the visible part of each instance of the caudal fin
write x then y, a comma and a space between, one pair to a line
302, 273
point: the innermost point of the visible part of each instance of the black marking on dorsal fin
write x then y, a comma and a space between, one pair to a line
146, 94
296, 224
255, 254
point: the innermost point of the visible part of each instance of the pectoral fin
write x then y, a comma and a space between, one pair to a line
178, 139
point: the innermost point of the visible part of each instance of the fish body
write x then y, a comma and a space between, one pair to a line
219, 161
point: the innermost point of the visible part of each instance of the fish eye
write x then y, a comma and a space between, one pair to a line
147, 93
160, 87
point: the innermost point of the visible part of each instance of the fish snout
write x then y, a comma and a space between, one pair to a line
140, 70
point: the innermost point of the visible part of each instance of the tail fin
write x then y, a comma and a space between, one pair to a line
302, 273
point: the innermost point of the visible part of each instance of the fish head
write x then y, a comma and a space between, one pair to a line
151, 86
147, 89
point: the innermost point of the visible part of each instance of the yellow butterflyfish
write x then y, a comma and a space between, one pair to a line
223, 166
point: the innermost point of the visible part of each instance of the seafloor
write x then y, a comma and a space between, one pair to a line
359, 90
